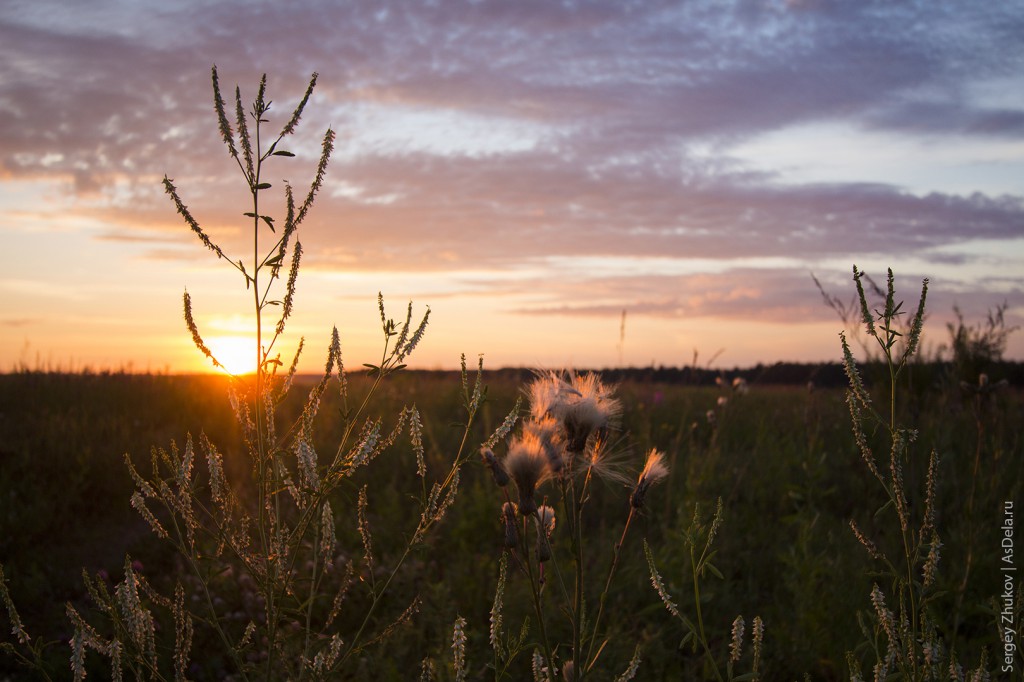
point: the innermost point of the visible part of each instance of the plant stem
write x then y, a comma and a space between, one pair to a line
700, 617
607, 586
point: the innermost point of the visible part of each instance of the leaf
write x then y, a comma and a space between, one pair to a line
711, 567
264, 185
283, 153
249, 214
269, 221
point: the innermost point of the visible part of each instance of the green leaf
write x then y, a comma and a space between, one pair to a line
711, 567
283, 153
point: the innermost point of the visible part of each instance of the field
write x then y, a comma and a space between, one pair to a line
384, 524
782, 459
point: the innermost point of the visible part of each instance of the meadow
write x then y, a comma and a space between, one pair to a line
849, 521
782, 460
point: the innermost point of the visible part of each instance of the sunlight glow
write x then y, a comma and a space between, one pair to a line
236, 353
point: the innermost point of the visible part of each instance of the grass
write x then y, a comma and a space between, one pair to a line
782, 459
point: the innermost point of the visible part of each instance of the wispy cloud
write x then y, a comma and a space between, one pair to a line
508, 137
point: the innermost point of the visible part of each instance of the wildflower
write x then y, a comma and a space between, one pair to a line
736, 646
722, 401
758, 637
589, 409
545, 527
739, 385
549, 433
497, 468
459, 648
601, 460
931, 564
508, 522
569, 671
527, 465
546, 393
654, 470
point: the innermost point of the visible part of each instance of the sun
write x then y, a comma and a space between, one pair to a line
236, 353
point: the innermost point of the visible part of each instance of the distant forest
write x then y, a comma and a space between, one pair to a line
818, 375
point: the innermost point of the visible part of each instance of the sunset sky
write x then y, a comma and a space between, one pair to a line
528, 169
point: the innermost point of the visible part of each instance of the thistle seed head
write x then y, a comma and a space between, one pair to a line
508, 523
654, 470
527, 465
546, 393
549, 432
497, 468
588, 407
545, 527
601, 459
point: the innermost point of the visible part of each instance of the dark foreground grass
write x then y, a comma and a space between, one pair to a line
782, 460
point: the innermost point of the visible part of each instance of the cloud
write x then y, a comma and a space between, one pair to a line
19, 322
506, 136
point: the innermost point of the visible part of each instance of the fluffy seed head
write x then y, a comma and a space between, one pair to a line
546, 394
527, 464
545, 527
654, 470
549, 432
508, 523
589, 408
602, 459
495, 465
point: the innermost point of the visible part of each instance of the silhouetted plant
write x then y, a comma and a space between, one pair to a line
267, 575
975, 348
901, 632
564, 444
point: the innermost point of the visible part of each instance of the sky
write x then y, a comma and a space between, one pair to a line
563, 184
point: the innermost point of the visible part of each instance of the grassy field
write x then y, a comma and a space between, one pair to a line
782, 460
